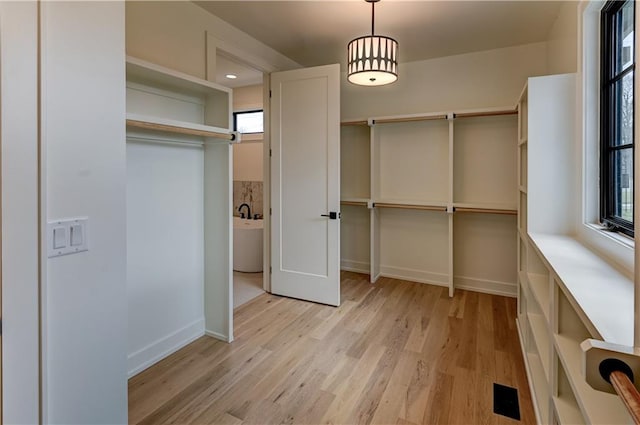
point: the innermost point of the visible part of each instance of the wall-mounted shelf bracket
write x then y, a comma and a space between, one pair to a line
594, 352
450, 209
370, 204
451, 116
371, 122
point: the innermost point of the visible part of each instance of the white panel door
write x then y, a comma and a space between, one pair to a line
305, 184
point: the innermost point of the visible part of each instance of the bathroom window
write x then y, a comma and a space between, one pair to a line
249, 122
616, 116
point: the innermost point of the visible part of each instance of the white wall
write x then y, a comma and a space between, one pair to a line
18, 85
248, 156
83, 130
165, 249
172, 34
562, 42
474, 80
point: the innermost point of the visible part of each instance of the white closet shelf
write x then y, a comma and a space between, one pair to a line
485, 208
143, 71
180, 127
485, 113
359, 202
411, 205
408, 118
354, 122
568, 412
541, 337
539, 287
597, 407
593, 287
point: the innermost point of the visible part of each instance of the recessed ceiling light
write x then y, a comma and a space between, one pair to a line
231, 76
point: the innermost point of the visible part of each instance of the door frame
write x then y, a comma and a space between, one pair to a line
213, 45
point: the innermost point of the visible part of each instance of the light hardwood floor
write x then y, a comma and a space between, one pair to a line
393, 353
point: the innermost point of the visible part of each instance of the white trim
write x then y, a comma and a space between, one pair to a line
485, 286
608, 246
420, 276
355, 266
532, 390
217, 335
163, 347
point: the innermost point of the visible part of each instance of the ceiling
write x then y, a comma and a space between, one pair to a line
245, 75
317, 32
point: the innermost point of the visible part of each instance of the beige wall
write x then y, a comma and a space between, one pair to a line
249, 97
247, 162
474, 80
562, 42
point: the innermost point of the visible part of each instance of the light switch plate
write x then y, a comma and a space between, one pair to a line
67, 236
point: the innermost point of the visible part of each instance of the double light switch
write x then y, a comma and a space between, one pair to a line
67, 236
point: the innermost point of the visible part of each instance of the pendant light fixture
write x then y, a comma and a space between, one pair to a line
372, 59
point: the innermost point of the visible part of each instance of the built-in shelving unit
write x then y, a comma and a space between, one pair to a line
436, 194
163, 100
566, 293
177, 123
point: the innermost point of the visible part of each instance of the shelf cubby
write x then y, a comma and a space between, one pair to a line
355, 162
161, 96
523, 166
355, 238
482, 243
484, 160
414, 245
522, 216
410, 162
565, 404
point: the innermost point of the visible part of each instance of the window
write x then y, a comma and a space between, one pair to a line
616, 115
248, 122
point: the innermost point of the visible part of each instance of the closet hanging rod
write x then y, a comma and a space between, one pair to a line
410, 206
354, 203
181, 130
409, 119
361, 122
486, 113
486, 211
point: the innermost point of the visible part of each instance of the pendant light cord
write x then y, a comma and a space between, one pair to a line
373, 16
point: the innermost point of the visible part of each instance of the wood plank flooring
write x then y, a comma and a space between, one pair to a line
393, 353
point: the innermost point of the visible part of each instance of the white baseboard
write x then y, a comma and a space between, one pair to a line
217, 335
420, 276
355, 266
163, 347
493, 287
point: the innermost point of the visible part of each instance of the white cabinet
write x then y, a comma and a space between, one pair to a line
441, 195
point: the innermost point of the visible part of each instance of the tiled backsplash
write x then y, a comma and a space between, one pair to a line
250, 193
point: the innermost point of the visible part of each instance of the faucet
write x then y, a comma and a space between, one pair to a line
248, 211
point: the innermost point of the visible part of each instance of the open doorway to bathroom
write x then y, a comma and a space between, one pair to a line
248, 175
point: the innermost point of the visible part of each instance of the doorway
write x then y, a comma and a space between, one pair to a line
248, 176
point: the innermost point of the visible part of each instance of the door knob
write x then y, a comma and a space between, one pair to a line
332, 215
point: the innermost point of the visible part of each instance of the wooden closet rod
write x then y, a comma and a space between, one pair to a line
354, 203
486, 211
362, 122
627, 393
486, 114
409, 206
410, 119
180, 130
